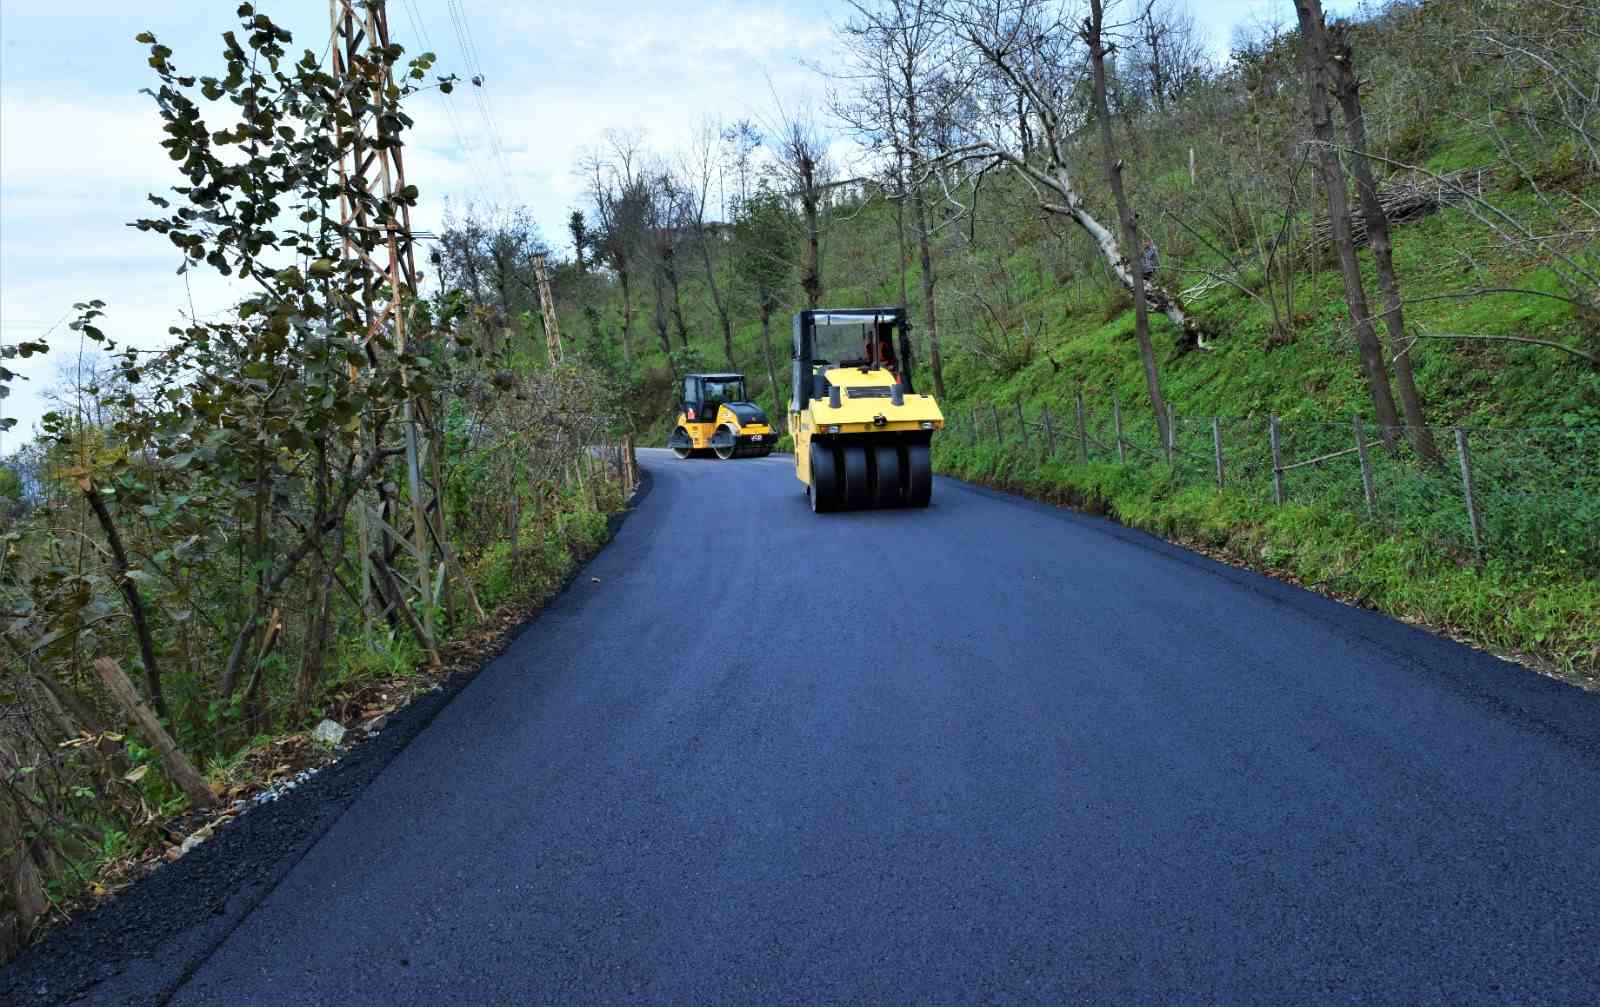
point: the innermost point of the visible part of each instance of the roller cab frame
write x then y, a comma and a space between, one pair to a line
861, 433
717, 417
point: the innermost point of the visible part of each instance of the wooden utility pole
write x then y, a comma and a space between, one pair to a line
377, 228
547, 305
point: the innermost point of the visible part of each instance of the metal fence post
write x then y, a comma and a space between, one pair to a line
1216, 446
1083, 433
1277, 459
972, 431
1466, 482
1366, 468
1116, 419
999, 431
1022, 425
1049, 433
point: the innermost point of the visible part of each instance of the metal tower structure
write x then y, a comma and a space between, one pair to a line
377, 230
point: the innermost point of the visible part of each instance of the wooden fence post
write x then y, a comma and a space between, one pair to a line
1022, 425
1366, 468
1049, 433
1216, 446
1277, 459
1116, 418
1083, 431
1172, 432
177, 765
1473, 517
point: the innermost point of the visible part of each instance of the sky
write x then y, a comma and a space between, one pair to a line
79, 143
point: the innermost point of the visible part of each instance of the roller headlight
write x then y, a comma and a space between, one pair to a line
927, 424
833, 429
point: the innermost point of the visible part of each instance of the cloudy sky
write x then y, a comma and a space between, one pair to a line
78, 142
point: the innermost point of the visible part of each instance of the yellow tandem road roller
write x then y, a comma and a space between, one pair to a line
861, 435
717, 416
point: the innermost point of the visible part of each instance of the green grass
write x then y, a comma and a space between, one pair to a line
1544, 613
1536, 591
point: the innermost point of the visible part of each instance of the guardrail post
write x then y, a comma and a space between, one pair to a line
1049, 433
1116, 418
1216, 446
1277, 459
1366, 468
1083, 431
1022, 425
1473, 517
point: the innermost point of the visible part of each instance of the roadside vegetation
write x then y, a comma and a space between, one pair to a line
211, 547
985, 203
1390, 218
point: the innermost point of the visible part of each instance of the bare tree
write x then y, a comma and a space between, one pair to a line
1093, 32
803, 163
740, 141
621, 206
899, 51
1021, 42
667, 204
1315, 60
1168, 53
1347, 89
697, 167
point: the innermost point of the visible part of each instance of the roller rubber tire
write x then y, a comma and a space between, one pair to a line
824, 479
856, 484
886, 472
919, 475
727, 453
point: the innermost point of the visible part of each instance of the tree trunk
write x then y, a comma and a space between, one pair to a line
919, 216
1348, 90
772, 373
1130, 226
1314, 57
670, 269
23, 898
316, 645
716, 299
176, 764
900, 226
659, 318
811, 269
130, 592
627, 312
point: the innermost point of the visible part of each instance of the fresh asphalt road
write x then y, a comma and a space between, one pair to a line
986, 752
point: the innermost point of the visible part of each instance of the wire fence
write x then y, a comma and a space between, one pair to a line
1532, 494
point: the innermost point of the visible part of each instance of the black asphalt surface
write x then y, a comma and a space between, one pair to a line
986, 752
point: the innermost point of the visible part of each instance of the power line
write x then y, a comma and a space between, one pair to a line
469, 52
419, 25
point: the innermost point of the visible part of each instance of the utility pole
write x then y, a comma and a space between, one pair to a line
547, 305
377, 229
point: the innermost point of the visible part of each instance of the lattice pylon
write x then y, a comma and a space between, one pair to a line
547, 305
373, 164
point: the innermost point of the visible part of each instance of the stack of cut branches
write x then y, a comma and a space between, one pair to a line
1408, 197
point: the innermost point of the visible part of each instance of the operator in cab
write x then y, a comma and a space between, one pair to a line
885, 356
